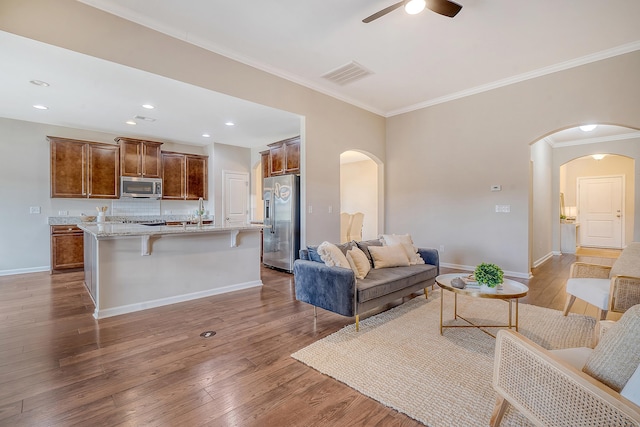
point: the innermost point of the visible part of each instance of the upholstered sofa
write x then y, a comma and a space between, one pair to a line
338, 290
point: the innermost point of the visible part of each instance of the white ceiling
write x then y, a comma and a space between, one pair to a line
416, 60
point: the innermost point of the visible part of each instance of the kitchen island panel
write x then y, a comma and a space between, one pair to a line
180, 267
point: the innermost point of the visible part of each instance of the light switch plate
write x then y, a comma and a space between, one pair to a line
503, 208
34, 210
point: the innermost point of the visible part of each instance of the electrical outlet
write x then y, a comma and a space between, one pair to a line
441, 249
310, 209
330, 209
34, 210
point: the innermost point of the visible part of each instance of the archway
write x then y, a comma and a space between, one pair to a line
361, 178
560, 148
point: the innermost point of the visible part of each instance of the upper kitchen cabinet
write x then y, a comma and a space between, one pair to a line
140, 158
284, 157
184, 176
83, 169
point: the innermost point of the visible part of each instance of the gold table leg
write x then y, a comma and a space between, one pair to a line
510, 313
441, 307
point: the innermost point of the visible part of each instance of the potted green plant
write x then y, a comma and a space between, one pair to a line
489, 276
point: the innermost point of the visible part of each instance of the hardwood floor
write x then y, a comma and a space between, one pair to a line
61, 367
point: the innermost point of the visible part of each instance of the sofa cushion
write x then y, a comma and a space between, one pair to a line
313, 255
380, 282
617, 355
628, 263
364, 247
388, 256
407, 243
593, 291
332, 255
359, 262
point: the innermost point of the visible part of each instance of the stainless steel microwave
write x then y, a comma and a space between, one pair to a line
140, 188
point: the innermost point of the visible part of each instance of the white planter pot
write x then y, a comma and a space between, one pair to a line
487, 289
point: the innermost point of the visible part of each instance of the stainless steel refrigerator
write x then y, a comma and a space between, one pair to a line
281, 237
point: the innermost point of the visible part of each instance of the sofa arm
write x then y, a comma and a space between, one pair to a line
625, 293
549, 391
430, 256
331, 288
593, 271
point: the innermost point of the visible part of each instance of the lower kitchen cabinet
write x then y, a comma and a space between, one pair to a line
67, 248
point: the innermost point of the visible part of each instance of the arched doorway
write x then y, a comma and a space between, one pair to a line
361, 192
553, 172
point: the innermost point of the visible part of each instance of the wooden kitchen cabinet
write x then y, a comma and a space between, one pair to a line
140, 158
84, 169
67, 248
184, 176
283, 158
265, 161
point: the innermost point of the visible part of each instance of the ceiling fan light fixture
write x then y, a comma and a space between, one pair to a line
413, 7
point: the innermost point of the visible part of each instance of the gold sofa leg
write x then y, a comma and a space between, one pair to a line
357, 322
426, 293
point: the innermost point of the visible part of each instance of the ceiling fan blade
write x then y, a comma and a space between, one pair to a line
382, 12
444, 7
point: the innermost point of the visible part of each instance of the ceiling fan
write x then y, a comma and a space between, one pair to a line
443, 7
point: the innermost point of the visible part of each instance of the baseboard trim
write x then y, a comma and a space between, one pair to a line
124, 309
542, 260
517, 274
24, 270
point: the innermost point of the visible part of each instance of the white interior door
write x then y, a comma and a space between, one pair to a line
600, 208
236, 198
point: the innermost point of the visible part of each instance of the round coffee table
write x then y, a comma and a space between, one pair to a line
509, 290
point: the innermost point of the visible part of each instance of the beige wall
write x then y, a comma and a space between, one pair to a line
439, 161
330, 126
541, 202
359, 193
457, 150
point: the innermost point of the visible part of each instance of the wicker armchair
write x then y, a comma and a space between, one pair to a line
597, 285
549, 391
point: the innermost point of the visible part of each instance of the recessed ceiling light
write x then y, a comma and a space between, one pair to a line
206, 135
148, 106
39, 83
130, 122
41, 107
230, 124
588, 128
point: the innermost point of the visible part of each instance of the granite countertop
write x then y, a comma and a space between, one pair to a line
72, 220
111, 229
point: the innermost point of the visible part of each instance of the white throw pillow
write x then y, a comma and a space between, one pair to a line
359, 262
407, 243
332, 256
631, 389
389, 256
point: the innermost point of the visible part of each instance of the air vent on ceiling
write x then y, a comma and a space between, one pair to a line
347, 73
146, 119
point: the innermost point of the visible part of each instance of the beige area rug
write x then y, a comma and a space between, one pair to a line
400, 359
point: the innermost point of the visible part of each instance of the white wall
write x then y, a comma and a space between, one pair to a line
542, 203
230, 159
359, 193
455, 151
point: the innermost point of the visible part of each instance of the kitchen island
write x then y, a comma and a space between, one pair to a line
132, 267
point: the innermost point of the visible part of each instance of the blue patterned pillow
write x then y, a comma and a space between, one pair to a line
313, 254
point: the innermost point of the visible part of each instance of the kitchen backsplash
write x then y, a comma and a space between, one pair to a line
135, 207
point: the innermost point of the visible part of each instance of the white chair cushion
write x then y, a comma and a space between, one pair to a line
593, 291
575, 357
631, 389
